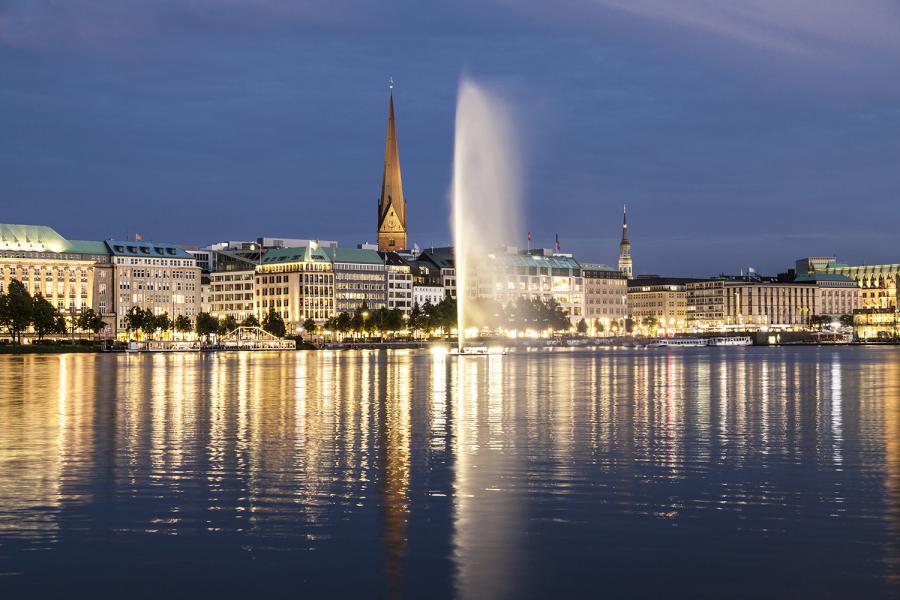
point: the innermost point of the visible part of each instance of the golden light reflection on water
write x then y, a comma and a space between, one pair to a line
282, 449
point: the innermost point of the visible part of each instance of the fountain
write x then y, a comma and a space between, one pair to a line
485, 192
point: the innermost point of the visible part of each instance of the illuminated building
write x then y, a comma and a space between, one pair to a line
878, 282
876, 324
360, 278
399, 282
161, 278
297, 283
231, 284
72, 275
432, 294
391, 204
231, 294
541, 274
754, 301
661, 301
605, 294
435, 266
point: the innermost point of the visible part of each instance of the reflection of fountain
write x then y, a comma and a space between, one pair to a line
485, 191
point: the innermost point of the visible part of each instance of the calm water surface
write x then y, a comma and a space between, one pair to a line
697, 472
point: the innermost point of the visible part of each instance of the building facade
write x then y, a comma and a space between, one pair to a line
754, 302
232, 294
161, 278
297, 283
876, 324
399, 280
360, 279
877, 282
73, 275
605, 296
659, 303
507, 275
432, 294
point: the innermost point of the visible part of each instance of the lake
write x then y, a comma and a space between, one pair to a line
706, 472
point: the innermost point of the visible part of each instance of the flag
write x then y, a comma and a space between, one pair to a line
529, 236
138, 237
557, 242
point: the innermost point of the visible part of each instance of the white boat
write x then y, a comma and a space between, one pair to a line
163, 346
743, 340
477, 351
677, 343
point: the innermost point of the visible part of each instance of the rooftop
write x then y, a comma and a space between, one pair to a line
298, 254
354, 255
145, 249
596, 267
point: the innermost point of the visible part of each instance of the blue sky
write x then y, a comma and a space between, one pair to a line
744, 135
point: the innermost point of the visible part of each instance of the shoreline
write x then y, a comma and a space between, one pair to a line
640, 344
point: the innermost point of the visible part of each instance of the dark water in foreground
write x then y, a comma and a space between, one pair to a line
695, 472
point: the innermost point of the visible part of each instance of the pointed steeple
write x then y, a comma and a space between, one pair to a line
391, 205
625, 264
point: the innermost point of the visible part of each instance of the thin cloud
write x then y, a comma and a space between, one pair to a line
803, 27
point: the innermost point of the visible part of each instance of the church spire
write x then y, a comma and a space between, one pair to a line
391, 205
625, 264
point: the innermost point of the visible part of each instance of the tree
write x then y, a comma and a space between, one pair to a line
344, 322
846, 320
393, 320
415, 318
89, 320
162, 322
819, 321
599, 326
16, 310
59, 323
582, 327
250, 321
136, 319
183, 324
358, 322
629, 324
206, 325
43, 316
650, 321
227, 325
274, 324
309, 326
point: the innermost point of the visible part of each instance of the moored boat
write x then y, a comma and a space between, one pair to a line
678, 343
742, 340
477, 351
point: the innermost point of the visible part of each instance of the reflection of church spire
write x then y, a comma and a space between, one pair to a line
625, 265
393, 425
391, 205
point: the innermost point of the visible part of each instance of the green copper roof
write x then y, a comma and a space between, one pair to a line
85, 247
822, 277
25, 235
300, 254
40, 238
529, 260
354, 255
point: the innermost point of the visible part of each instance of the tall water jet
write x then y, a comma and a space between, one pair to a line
485, 193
